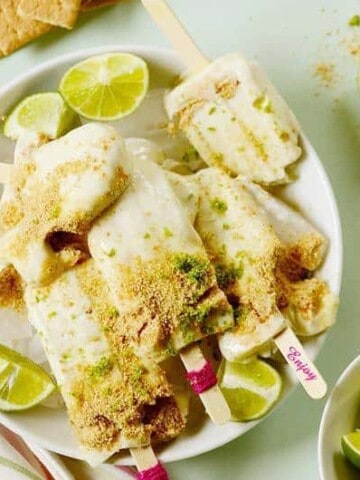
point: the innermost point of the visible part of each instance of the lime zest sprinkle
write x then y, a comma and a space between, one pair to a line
354, 21
263, 103
56, 211
101, 368
168, 233
219, 205
113, 312
227, 275
193, 267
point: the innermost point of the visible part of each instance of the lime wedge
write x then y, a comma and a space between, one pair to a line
251, 389
106, 87
23, 384
45, 113
351, 447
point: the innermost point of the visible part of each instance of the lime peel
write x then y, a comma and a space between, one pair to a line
23, 383
106, 87
45, 113
251, 388
351, 447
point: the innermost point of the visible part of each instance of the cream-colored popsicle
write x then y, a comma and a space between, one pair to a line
236, 119
162, 281
306, 302
114, 399
244, 248
55, 191
306, 245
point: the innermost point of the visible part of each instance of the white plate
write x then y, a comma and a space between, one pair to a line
341, 416
49, 428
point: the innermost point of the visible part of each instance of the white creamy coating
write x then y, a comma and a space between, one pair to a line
238, 232
25, 148
83, 194
147, 215
290, 225
247, 129
71, 338
146, 221
187, 192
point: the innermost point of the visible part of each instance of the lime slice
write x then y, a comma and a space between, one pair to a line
23, 384
251, 389
106, 87
45, 113
351, 447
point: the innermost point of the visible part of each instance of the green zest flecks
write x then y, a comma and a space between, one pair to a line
170, 350
226, 275
101, 368
55, 213
263, 103
190, 155
218, 205
168, 233
195, 268
194, 317
113, 312
354, 21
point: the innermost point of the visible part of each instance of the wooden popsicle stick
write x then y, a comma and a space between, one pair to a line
212, 399
144, 458
165, 18
297, 358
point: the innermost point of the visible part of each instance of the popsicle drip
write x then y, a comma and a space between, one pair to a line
157, 472
203, 379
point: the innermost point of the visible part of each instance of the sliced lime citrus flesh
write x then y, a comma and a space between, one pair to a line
45, 113
23, 383
251, 388
106, 87
351, 447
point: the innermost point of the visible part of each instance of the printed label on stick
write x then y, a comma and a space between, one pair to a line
294, 356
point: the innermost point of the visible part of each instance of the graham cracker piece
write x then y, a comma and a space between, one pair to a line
61, 13
16, 31
91, 4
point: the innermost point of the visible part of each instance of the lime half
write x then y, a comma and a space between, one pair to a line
23, 384
45, 113
351, 447
251, 389
106, 87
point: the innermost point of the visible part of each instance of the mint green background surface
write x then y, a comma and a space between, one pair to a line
288, 37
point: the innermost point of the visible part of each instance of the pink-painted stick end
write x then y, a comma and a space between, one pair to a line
157, 472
